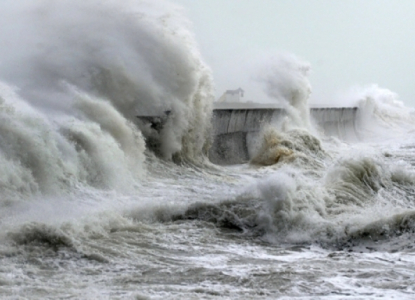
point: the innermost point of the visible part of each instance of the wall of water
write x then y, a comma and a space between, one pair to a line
236, 130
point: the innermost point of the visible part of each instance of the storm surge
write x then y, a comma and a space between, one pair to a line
285, 80
107, 191
342, 183
356, 201
74, 77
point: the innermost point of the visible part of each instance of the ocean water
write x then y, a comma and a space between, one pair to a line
99, 204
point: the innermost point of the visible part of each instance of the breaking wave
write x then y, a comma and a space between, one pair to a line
280, 147
100, 99
356, 200
379, 109
74, 77
285, 80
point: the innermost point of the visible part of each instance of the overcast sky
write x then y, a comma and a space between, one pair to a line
346, 42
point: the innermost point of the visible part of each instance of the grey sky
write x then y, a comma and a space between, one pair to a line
347, 42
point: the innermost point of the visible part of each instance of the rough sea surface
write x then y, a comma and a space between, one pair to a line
96, 203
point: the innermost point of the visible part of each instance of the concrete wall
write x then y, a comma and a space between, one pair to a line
235, 129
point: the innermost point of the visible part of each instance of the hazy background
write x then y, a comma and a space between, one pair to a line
348, 43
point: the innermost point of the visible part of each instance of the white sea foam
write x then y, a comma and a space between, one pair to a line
139, 57
381, 115
285, 80
85, 207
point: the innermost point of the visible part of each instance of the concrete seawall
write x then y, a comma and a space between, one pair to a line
235, 129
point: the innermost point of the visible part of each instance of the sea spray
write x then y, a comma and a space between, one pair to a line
86, 214
381, 114
53, 156
287, 147
138, 56
284, 78
351, 199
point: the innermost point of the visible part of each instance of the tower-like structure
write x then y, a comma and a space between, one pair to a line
232, 96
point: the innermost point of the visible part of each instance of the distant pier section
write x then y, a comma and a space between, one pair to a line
237, 125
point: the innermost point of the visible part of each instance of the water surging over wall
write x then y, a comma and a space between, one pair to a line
266, 135
74, 77
381, 113
239, 131
284, 78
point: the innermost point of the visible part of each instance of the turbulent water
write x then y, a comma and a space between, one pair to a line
99, 204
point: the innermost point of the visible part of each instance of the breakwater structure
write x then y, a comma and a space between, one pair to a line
236, 126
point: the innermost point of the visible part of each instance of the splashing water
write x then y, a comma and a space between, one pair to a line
75, 77
88, 211
379, 109
138, 56
284, 78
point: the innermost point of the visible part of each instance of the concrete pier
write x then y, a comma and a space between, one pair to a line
236, 128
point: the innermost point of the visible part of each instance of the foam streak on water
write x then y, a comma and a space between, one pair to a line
96, 203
